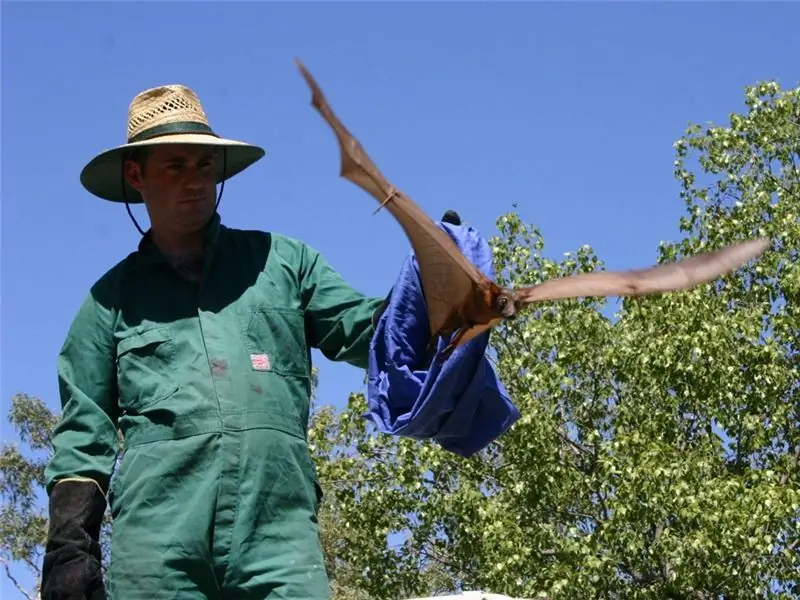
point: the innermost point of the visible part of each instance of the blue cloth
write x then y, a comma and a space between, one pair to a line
461, 404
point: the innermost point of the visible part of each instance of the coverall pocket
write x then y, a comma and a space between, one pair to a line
146, 369
275, 339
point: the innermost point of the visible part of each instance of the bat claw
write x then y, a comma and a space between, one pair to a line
454, 343
445, 354
389, 197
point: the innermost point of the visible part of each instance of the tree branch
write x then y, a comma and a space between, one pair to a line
13, 580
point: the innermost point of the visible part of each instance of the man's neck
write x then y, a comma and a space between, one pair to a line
184, 253
183, 245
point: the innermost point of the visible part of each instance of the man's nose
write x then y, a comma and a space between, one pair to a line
195, 179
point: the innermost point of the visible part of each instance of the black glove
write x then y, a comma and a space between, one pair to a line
450, 216
71, 569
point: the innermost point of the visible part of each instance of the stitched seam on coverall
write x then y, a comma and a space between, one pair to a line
140, 434
221, 479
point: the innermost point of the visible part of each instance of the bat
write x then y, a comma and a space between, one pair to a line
460, 300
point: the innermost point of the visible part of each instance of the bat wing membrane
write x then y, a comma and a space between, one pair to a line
680, 275
447, 276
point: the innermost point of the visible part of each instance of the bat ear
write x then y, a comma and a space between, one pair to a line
451, 217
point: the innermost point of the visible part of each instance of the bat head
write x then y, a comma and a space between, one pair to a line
506, 305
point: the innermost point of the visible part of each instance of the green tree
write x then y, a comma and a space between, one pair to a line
23, 524
23, 504
658, 451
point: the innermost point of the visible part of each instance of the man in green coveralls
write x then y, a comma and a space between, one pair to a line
196, 346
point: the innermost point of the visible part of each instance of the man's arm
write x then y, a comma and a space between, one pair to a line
339, 319
85, 440
85, 448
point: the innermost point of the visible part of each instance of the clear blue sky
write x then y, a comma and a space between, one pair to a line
568, 109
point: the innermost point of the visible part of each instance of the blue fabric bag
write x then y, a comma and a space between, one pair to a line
461, 404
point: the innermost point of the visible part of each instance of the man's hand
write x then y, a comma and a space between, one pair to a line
452, 217
71, 569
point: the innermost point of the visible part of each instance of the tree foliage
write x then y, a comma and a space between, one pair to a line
658, 453
23, 512
23, 523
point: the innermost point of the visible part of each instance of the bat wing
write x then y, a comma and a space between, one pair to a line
448, 278
680, 275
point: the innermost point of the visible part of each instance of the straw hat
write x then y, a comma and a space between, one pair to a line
170, 114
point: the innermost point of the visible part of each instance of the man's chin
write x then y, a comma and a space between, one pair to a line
192, 216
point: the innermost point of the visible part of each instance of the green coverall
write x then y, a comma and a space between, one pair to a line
216, 495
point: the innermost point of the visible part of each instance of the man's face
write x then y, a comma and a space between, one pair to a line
178, 187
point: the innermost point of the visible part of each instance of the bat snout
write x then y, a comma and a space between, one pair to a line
505, 305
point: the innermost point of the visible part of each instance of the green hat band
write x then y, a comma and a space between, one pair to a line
171, 129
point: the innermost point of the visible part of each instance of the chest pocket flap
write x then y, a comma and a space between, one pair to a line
137, 342
146, 368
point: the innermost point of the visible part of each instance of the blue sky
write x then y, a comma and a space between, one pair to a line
569, 110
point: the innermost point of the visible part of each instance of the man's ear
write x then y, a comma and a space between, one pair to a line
133, 173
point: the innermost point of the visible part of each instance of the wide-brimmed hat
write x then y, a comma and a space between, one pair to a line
169, 114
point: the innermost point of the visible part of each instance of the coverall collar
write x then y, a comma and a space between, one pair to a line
150, 254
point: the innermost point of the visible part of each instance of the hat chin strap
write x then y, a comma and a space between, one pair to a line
216, 206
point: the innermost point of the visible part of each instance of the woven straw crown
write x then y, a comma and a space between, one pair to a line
169, 114
162, 105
